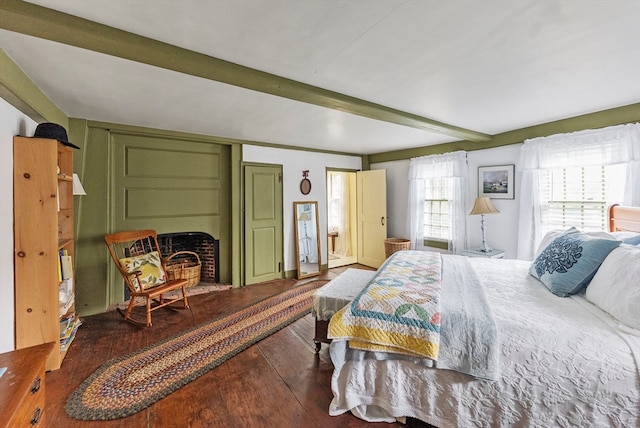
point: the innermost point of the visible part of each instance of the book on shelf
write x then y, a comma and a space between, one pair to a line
68, 328
66, 265
66, 296
59, 270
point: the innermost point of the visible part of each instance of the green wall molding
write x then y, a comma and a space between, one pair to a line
601, 119
49, 24
19, 91
116, 128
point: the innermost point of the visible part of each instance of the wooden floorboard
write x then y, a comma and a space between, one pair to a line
278, 382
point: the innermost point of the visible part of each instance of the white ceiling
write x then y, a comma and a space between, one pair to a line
486, 66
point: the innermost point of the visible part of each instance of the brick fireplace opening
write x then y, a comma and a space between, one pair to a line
203, 244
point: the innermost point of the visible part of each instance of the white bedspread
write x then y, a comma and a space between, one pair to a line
338, 293
563, 362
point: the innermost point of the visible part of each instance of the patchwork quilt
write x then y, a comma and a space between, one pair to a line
399, 310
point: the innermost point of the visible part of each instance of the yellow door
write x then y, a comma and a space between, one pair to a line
371, 193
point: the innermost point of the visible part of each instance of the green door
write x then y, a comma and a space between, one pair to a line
263, 223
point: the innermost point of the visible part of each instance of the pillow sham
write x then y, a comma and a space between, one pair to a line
615, 288
569, 262
151, 267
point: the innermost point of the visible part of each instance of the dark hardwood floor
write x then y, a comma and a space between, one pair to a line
278, 382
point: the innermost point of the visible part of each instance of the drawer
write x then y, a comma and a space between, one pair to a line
22, 394
30, 412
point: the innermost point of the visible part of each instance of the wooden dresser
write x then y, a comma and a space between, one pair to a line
22, 386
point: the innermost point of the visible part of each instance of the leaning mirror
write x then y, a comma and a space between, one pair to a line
307, 242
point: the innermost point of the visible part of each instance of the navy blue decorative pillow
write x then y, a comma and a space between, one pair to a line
569, 262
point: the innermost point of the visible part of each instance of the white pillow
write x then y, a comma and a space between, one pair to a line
631, 238
602, 234
615, 288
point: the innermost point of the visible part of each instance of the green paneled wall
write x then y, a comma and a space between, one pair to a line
137, 179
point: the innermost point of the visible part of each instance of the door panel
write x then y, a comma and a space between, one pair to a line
372, 216
263, 223
170, 187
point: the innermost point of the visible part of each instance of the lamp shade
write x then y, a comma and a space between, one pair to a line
483, 206
77, 186
304, 216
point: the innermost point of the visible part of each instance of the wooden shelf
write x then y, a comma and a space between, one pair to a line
43, 226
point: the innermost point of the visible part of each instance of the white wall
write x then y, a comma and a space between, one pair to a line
293, 163
12, 122
501, 230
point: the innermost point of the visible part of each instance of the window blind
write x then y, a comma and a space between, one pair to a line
579, 196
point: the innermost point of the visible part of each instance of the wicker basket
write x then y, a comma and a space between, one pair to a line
184, 267
391, 245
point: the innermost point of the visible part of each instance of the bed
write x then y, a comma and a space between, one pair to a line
557, 361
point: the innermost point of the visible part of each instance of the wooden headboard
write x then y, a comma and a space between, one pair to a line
624, 219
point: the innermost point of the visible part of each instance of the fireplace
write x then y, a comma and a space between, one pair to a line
203, 244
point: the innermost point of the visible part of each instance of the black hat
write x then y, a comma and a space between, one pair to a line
53, 131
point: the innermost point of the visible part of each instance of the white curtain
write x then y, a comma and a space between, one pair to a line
448, 165
606, 146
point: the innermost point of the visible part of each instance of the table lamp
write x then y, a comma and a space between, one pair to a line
483, 206
77, 186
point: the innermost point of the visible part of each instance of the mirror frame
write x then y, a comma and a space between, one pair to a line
298, 208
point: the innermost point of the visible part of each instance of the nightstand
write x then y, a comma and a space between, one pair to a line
493, 254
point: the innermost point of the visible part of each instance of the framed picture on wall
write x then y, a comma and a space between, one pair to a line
496, 182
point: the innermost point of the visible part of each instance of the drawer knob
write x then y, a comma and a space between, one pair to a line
36, 386
36, 416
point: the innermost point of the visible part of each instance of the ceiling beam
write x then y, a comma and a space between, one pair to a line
49, 24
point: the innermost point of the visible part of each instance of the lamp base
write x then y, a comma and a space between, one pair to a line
485, 248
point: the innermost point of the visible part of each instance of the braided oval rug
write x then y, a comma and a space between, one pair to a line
124, 386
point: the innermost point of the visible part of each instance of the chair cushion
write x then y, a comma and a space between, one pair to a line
151, 267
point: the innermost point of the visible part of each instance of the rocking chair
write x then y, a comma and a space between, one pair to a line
137, 256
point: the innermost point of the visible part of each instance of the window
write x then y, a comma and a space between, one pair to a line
579, 196
436, 210
437, 197
571, 179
